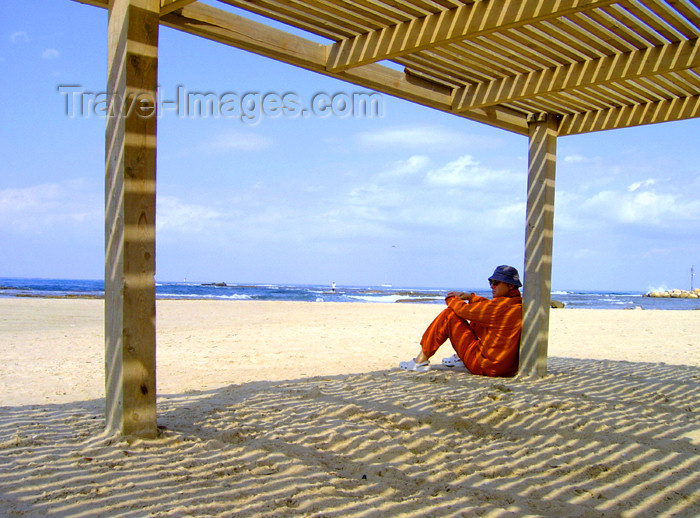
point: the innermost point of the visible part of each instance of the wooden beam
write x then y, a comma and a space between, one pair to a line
481, 106
538, 245
236, 31
631, 65
168, 6
130, 197
96, 3
227, 28
458, 24
629, 116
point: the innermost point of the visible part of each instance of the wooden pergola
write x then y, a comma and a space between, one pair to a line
540, 68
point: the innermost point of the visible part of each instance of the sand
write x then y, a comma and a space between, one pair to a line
298, 409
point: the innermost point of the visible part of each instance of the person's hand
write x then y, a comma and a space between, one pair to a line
458, 294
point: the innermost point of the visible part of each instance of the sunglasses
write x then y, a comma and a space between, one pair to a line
494, 283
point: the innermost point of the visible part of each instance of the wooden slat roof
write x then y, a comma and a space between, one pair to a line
595, 64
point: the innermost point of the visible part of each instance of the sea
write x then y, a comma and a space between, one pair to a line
70, 288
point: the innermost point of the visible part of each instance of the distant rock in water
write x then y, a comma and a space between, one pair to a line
218, 284
675, 294
557, 304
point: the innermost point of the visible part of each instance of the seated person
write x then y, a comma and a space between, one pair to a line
485, 334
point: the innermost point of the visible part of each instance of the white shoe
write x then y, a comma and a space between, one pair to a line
413, 366
453, 361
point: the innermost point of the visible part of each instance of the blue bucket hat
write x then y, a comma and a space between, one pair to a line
507, 274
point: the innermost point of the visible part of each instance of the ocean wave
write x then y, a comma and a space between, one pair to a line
375, 298
235, 296
66, 288
396, 297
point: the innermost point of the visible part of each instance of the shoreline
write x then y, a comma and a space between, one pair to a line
555, 303
50, 288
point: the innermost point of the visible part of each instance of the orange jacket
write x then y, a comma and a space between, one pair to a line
497, 324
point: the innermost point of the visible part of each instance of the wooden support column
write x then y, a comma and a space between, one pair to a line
538, 244
130, 203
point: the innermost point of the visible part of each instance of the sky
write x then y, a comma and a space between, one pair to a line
405, 195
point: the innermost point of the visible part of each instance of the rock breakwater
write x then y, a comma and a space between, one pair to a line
675, 294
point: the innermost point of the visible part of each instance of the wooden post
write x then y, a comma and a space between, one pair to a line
538, 244
130, 197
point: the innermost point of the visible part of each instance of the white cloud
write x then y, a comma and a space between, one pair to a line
636, 185
406, 168
40, 208
466, 172
19, 37
453, 174
652, 207
573, 158
177, 216
247, 218
19, 200
410, 199
50, 54
423, 136
388, 191
510, 216
371, 198
648, 208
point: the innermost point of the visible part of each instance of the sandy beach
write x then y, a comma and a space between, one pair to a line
298, 409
